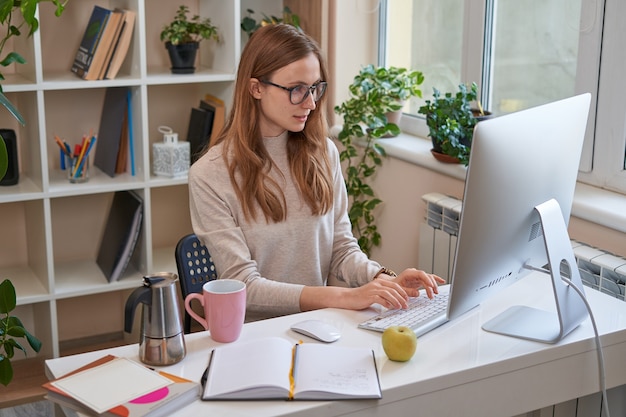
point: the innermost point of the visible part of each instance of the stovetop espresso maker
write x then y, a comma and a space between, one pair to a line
162, 340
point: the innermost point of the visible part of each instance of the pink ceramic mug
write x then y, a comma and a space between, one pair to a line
224, 302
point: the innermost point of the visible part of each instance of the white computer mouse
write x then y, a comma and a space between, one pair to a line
317, 329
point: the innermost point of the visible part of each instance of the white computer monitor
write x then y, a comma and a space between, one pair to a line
516, 206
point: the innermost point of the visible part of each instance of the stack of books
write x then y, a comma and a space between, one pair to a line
119, 387
104, 44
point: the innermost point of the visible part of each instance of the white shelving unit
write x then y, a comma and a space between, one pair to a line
51, 229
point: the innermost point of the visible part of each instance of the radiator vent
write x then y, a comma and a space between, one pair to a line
599, 269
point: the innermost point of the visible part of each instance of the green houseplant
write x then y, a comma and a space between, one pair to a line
182, 37
14, 15
11, 328
249, 23
451, 120
373, 94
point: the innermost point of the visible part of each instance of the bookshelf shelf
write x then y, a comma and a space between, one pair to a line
52, 229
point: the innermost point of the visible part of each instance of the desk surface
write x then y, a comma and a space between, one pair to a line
484, 373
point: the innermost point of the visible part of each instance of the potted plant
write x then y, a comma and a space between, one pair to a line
182, 37
395, 83
249, 24
373, 93
451, 120
11, 328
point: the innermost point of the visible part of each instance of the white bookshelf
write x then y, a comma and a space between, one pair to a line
51, 229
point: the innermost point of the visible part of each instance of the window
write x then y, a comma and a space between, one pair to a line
522, 53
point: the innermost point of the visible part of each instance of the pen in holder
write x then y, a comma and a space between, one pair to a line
77, 169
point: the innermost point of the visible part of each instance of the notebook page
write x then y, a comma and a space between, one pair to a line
345, 371
240, 367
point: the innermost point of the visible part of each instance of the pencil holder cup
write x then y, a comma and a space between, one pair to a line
77, 171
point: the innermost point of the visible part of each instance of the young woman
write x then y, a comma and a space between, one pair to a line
268, 198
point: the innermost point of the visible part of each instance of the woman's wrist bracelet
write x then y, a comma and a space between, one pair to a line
385, 271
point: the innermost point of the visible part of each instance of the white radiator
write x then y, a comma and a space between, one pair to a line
599, 269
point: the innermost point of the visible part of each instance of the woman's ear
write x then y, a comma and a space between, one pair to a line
255, 88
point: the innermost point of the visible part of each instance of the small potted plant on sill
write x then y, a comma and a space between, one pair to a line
451, 120
373, 94
182, 37
394, 84
249, 24
11, 328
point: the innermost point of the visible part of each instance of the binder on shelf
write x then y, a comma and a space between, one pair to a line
122, 45
199, 131
111, 129
120, 234
219, 117
82, 65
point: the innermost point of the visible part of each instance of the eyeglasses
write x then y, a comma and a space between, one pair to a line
299, 93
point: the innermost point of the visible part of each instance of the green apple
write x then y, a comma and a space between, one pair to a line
399, 343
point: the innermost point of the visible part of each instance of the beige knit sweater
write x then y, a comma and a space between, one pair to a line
275, 260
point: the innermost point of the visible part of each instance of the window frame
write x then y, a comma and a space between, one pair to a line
600, 60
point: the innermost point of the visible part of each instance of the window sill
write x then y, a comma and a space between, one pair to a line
593, 204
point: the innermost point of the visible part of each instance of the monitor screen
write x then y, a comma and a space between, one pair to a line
517, 162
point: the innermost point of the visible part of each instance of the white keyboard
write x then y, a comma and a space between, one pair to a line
422, 315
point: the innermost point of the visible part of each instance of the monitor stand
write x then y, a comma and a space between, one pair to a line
540, 325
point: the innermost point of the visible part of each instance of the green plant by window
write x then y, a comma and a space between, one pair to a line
373, 94
395, 82
10, 328
185, 30
249, 23
451, 120
14, 16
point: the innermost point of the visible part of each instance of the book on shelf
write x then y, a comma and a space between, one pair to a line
122, 154
116, 22
104, 46
89, 43
219, 110
119, 387
275, 368
113, 119
199, 130
121, 234
122, 45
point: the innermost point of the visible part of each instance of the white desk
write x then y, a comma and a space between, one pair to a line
458, 369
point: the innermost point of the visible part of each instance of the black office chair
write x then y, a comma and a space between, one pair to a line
195, 268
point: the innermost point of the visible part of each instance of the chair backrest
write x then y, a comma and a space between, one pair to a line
195, 268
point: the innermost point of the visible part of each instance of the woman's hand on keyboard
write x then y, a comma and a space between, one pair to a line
394, 292
411, 280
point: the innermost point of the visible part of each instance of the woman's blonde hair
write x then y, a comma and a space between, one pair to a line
269, 49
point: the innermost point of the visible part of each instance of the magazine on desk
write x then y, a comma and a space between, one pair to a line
275, 368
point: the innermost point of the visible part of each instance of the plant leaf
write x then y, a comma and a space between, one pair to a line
34, 343
8, 297
6, 371
4, 158
12, 109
